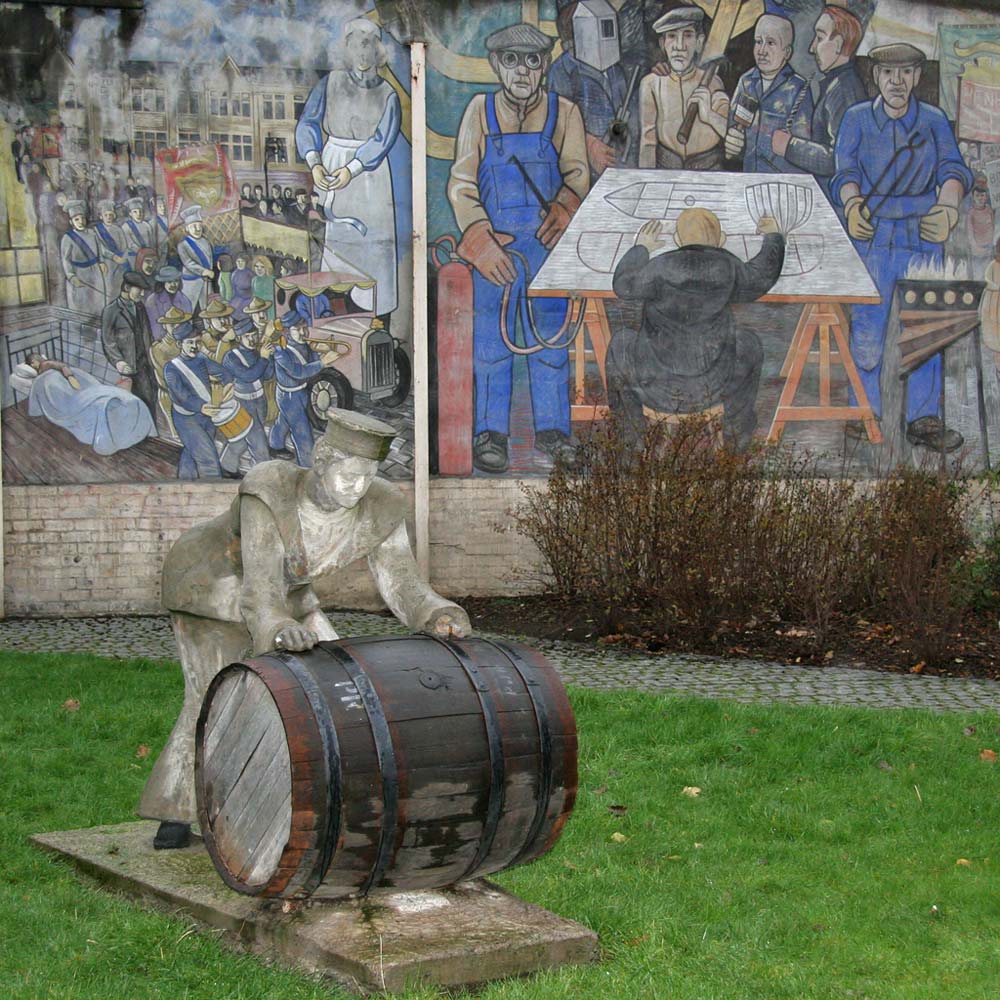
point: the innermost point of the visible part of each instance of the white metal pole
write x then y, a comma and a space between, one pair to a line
421, 429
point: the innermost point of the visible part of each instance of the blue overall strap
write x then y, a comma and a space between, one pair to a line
492, 125
162, 223
550, 119
198, 252
109, 240
85, 247
135, 230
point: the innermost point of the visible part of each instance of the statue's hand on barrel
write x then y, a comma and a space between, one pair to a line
295, 638
450, 621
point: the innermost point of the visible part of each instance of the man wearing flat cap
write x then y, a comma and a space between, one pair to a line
246, 582
520, 172
126, 339
900, 179
664, 100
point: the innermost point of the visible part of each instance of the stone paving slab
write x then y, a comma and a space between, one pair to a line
578, 664
454, 937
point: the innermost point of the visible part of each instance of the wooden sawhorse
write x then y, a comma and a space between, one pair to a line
828, 323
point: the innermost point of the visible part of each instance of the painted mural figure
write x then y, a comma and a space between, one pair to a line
170, 296
188, 378
248, 365
837, 35
589, 73
900, 179
138, 229
689, 355
784, 101
520, 172
114, 250
162, 353
247, 580
219, 335
664, 99
294, 364
126, 339
197, 258
350, 122
83, 265
980, 227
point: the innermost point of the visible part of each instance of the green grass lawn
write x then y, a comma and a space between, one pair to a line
818, 860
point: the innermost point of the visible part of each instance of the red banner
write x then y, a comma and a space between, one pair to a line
979, 107
198, 175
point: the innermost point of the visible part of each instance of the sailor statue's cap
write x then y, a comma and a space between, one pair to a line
75, 208
357, 434
133, 203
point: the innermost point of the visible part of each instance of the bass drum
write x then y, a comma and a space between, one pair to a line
327, 390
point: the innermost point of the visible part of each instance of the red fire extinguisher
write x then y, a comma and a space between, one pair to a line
454, 358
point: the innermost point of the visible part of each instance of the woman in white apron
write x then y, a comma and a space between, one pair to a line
345, 132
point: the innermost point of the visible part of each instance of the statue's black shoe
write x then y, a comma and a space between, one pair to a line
172, 835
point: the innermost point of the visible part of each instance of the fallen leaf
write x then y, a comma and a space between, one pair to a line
989, 756
637, 940
142, 751
71, 705
828, 655
291, 906
619, 838
969, 731
754, 730
884, 765
600, 789
692, 791
918, 668
618, 810
673, 857
697, 845
964, 862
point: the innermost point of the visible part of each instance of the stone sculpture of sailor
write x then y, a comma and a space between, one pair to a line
245, 582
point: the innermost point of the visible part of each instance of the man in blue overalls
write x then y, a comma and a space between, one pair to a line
508, 226
900, 179
294, 365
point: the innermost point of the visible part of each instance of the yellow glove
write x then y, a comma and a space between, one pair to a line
937, 224
858, 219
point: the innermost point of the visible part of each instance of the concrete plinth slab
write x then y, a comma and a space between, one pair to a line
459, 936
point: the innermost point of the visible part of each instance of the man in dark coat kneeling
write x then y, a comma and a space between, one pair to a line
688, 354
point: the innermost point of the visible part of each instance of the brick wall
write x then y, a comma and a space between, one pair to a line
80, 550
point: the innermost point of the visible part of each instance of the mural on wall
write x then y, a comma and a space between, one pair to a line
205, 239
778, 213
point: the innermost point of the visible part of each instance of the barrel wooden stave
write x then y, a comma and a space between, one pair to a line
441, 749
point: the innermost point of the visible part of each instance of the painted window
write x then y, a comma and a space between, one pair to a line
146, 143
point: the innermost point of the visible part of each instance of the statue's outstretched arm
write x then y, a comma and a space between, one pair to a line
410, 598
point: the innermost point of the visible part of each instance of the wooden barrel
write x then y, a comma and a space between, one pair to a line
410, 763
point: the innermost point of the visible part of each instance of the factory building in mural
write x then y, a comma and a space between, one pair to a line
779, 214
